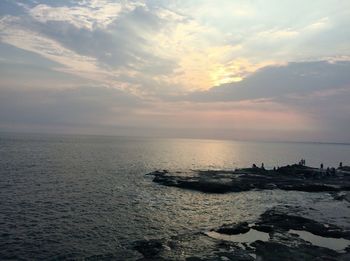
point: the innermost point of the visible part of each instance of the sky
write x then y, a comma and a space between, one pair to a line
227, 69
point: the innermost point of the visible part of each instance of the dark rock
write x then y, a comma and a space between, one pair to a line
233, 229
157, 172
296, 169
204, 186
342, 196
291, 177
344, 168
194, 258
281, 244
264, 228
196, 246
149, 248
272, 220
277, 251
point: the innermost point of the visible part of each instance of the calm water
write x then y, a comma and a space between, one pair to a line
87, 196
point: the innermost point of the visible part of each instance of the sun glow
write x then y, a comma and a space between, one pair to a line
222, 75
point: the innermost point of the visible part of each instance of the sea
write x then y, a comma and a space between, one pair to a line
87, 197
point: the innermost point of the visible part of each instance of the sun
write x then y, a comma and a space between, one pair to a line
221, 75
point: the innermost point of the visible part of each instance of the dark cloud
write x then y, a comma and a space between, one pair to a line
274, 82
318, 90
125, 43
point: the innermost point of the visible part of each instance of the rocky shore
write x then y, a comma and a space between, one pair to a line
280, 233
276, 235
292, 177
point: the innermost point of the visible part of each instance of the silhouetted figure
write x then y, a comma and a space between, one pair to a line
262, 165
340, 164
321, 167
333, 171
274, 168
254, 166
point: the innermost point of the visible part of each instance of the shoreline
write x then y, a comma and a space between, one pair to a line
282, 232
291, 177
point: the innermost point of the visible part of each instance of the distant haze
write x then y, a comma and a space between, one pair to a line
262, 70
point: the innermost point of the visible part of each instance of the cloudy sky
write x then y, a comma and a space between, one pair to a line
227, 69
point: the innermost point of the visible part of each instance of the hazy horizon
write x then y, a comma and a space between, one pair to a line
163, 136
231, 70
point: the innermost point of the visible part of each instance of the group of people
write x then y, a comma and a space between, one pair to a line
262, 166
331, 171
302, 163
340, 165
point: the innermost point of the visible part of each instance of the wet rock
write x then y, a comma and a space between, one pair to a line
233, 229
297, 169
345, 168
291, 177
196, 246
277, 251
281, 244
158, 172
149, 248
272, 220
342, 196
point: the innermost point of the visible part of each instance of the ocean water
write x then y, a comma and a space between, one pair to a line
74, 197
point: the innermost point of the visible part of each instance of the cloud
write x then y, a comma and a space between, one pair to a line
276, 34
75, 106
320, 24
179, 46
272, 82
14, 33
238, 65
315, 95
109, 51
89, 15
